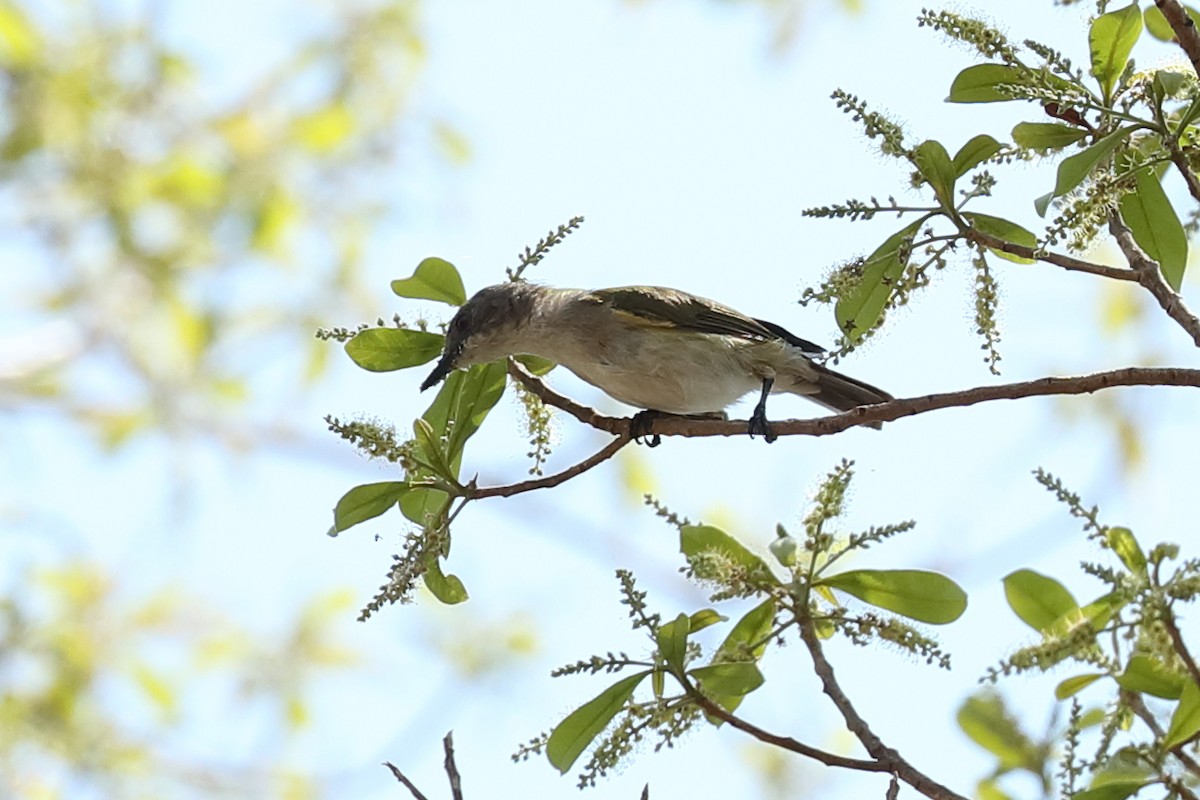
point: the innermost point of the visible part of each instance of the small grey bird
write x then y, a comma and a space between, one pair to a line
654, 348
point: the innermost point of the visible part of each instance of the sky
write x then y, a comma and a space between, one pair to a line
691, 146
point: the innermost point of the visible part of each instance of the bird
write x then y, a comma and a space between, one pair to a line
651, 347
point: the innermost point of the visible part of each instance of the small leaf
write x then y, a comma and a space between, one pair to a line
704, 618
1156, 227
446, 588
1047, 135
918, 594
751, 629
434, 279
1076, 168
1111, 40
1073, 685
1006, 230
1157, 25
933, 162
859, 309
1125, 545
985, 719
536, 365
672, 642
732, 679
366, 502
1185, 722
571, 737
1113, 790
696, 540
978, 83
1038, 600
979, 149
1147, 674
387, 349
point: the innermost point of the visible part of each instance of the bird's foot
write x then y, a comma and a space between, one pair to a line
759, 424
639, 428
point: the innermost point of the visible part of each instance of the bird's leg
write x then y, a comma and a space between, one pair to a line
639, 427
758, 420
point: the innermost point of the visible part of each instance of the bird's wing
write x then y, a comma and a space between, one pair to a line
656, 305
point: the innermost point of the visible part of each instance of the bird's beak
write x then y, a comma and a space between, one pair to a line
444, 367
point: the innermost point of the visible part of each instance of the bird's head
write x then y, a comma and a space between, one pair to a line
486, 328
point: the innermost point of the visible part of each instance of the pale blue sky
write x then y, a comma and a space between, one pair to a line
691, 148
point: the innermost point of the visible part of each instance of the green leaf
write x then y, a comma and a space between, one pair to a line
1156, 226
1125, 545
571, 737
696, 540
704, 618
424, 506
1076, 168
1046, 135
860, 308
432, 450
1038, 600
751, 629
1113, 790
985, 719
978, 83
536, 365
1073, 685
435, 279
979, 149
672, 642
933, 162
1185, 722
1111, 40
918, 594
387, 349
731, 679
1147, 674
1157, 25
446, 588
366, 502
1003, 229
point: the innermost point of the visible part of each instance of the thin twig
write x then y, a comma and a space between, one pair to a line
890, 759
1138, 706
783, 742
1057, 259
509, 490
1150, 277
416, 793
451, 768
1180, 160
1181, 648
1184, 28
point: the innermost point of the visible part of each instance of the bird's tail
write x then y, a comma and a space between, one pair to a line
840, 392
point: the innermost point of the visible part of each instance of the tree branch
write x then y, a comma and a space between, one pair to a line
884, 412
1066, 262
456, 791
784, 742
1180, 160
509, 490
1150, 277
1185, 29
895, 763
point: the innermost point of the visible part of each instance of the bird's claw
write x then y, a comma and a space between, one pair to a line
759, 424
639, 428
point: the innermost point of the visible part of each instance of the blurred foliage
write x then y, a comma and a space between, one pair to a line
176, 235
95, 684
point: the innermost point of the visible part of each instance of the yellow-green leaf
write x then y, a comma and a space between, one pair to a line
919, 594
1075, 684
434, 279
387, 349
1047, 135
1110, 40
1038, 600
1156, 226
860, 307
571, 737
1003, 229
366, 502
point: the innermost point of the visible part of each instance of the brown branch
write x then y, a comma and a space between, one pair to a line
1066, 262
1138, 706
1150, 277
451, 768
895, 763
783, 742
1181, 648
1184, 28
509, 490
884, 412
416, 793
1180, 160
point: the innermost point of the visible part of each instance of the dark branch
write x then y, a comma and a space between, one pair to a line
1066, 262
1150, 277
884, 755
1185, 29
416, 793
451, 768
784, 742
601, 456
